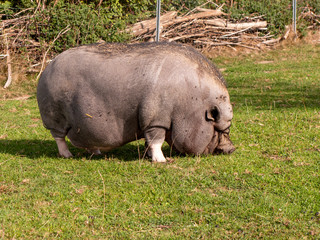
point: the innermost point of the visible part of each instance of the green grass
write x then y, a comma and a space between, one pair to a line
268, 188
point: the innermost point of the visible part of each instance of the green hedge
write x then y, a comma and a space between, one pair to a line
85, 22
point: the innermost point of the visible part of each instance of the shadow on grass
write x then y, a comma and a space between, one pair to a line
35, 149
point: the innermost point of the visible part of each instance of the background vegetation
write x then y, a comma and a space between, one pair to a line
33, 32
90, 21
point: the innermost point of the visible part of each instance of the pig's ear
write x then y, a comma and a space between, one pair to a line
212, 114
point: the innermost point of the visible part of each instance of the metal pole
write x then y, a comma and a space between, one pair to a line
294, 6
158, 20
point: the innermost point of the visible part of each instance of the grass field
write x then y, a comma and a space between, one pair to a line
268, 188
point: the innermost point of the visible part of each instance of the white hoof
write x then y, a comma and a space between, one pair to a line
156, 153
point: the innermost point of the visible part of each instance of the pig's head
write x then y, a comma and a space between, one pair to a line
203, 126
209, 135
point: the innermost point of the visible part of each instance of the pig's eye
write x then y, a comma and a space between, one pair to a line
213, 114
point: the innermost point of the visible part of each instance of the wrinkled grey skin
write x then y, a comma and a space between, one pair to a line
103, 96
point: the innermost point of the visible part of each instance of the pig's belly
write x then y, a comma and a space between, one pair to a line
97, 133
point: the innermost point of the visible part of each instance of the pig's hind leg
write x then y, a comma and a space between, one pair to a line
61, 143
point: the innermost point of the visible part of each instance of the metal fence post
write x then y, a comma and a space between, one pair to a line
158, 20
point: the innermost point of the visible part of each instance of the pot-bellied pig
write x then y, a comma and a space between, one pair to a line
102, 96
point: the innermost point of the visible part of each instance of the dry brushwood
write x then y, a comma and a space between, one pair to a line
210, 28
16, 35
310, 17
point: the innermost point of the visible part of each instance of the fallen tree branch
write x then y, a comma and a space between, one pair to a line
210, 13
9, 79
15, 21
150, 25
185, 36
272, 41
237, 32
236, 26
9, 68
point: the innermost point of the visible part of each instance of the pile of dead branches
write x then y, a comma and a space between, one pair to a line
10, 37
17, 37
15, 31
206, 28
310, 17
